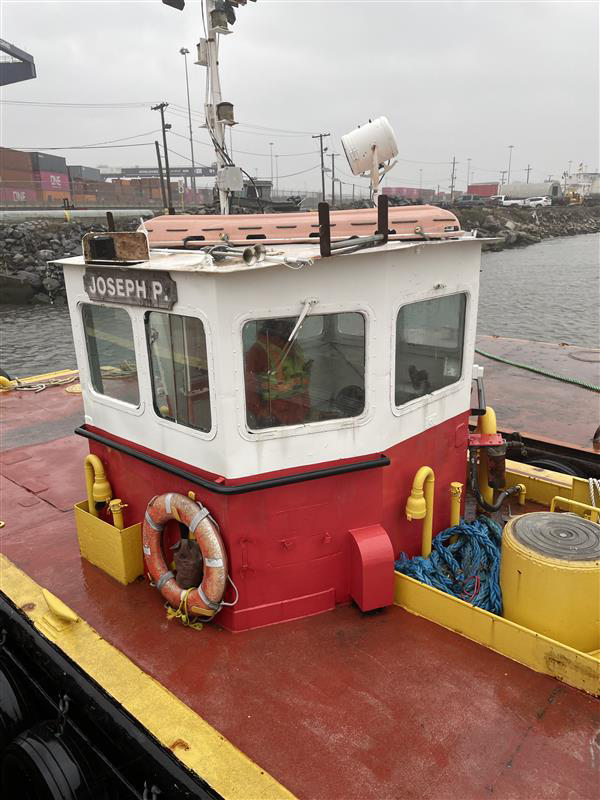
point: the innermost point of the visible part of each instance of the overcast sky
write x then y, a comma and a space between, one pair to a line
462, 79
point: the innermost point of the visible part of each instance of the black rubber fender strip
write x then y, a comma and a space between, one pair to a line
240, 488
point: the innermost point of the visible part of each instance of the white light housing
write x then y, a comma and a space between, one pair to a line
361, 143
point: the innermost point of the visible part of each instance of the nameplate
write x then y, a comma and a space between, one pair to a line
132, 287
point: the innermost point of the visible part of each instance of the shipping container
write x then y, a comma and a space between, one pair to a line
84, 173
14, 160
16, 179
54, 197
18, 196
81, 200
409, 192
44, 162
54, 181
483, 189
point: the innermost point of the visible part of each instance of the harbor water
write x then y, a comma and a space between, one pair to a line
545, 292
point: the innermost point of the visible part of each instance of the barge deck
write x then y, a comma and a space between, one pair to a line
338, 705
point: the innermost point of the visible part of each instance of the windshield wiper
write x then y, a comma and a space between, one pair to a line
308, 304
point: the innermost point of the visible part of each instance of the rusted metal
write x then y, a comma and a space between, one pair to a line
119, 247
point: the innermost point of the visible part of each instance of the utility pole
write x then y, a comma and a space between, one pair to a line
161, 176
468, 173
184, 52
420, 181
165, 127
510, 149
276, 172
502, 174
453, 178
528, 170
320, 137
271, 156
332, 156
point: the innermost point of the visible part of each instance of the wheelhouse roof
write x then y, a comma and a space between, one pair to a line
293, 255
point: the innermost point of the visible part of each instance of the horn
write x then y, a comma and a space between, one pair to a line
249, 256
260, 251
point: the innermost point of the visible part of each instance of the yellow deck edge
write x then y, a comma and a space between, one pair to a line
520, 644
225, 768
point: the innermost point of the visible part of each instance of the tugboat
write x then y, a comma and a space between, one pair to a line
272, 559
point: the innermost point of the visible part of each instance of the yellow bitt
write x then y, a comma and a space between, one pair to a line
420, 505
486, 424
455, 496
97, 486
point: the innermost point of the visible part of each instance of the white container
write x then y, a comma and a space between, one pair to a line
358, 145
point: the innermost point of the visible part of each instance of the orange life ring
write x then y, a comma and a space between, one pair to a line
206, 599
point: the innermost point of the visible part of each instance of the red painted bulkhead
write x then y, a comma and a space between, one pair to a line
289, 547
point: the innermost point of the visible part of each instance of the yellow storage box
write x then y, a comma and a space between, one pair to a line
117, 552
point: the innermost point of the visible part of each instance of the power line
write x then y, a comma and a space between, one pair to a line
81, 147
92, 144
43, 104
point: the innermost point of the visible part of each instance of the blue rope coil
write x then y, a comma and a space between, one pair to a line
468, 568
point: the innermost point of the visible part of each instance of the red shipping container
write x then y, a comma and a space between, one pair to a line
483, 189
14, 160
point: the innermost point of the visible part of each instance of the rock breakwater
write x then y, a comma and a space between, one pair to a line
517, 227
27, 247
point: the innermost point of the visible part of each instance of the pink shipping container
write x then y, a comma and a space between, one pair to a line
15, 196
54, 181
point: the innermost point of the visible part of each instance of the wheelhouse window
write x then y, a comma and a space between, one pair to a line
111, 352
317, 375
429, 346
179, 363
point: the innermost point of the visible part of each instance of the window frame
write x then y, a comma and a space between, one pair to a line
305, 427
444, 391
105, 399
195, 313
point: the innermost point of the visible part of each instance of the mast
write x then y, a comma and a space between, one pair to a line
217, 15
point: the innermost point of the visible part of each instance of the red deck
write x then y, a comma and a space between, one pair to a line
340, 705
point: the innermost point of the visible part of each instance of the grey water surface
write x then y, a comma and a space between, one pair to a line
545, 292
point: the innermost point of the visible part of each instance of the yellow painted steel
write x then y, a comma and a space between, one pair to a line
540, 653
556, 597
192, 741
97, 487
421, 507
455, 496
116, 507
117, 552
572, 505
486, 424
